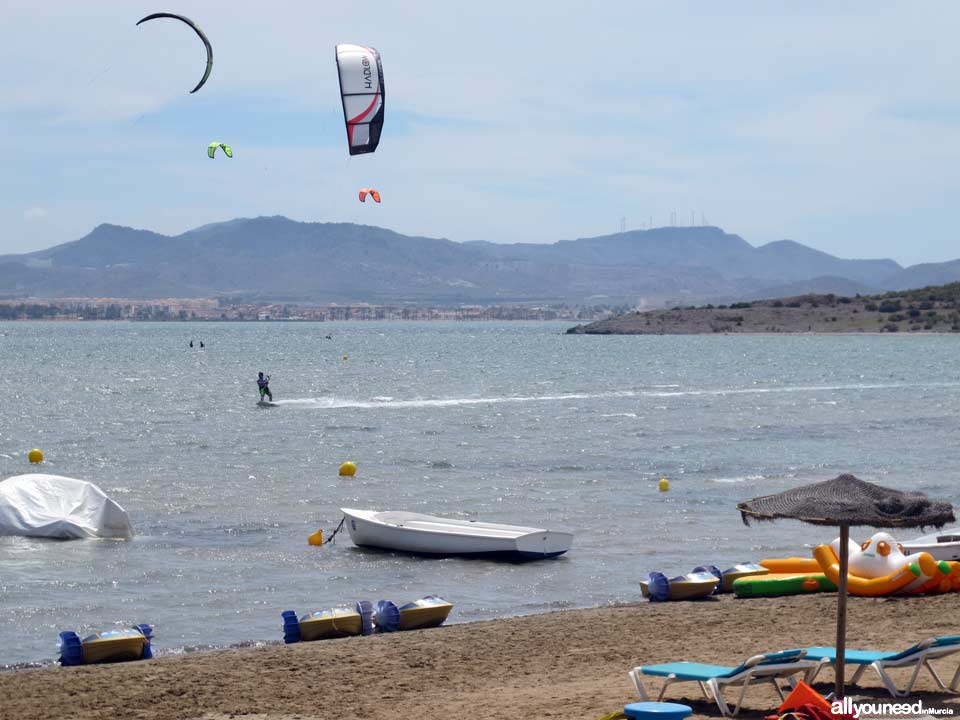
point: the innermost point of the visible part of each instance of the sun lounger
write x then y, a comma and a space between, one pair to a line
917, 657
713, 678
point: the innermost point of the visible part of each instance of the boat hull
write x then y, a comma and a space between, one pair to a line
692, 586
428, 535
113, 647
334, 623
947, 548
424, 613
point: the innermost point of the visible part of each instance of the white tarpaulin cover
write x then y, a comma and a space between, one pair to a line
53, 506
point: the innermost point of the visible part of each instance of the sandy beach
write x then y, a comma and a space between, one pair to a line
568, 664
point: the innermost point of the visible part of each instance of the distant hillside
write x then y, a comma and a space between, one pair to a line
930, 309
821, 285
924, 274
274, 259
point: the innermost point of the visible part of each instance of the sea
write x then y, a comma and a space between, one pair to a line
504, 422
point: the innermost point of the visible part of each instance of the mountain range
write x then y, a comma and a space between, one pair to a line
275, 259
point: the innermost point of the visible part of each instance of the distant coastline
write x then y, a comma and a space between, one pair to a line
211, 310
934, 309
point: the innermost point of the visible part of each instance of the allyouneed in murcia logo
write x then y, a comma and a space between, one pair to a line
875, 710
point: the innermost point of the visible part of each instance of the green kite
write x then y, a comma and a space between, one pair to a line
212, 148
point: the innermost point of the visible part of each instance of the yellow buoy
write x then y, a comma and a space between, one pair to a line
345, 357
316, 538
664, 484
348, 469
35, 456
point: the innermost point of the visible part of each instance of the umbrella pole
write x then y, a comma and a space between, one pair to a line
842, 611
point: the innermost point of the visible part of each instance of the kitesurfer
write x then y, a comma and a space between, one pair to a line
263, 382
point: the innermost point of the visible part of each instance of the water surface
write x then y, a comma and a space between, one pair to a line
514, 423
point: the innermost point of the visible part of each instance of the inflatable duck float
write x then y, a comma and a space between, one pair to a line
878, 566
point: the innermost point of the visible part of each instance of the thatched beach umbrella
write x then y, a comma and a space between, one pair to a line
846, 501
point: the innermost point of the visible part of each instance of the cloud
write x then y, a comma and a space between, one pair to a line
32, 214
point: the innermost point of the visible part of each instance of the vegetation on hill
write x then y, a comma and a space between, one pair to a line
930, 309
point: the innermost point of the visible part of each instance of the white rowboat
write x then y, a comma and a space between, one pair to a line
428, 535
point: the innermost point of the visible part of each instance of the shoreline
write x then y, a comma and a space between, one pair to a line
161, 651
562, 664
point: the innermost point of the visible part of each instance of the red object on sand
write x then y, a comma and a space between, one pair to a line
805, 703
802, 695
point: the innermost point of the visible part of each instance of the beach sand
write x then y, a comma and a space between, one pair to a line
568, 664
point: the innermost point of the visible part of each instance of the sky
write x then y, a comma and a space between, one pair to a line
833, 124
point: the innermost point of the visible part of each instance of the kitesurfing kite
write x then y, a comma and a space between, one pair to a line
198, 31
361, 90
212, 148
371, 192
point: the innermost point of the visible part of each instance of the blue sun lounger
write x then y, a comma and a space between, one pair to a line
712, 679
917, 657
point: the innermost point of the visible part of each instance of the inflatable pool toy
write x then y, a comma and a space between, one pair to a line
106, 647
878, 567
792, 565
776, 584
426, 612
658, 588
333, 623
948, 581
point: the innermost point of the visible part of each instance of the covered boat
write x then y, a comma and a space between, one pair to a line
944, 545
53, 506
428, 535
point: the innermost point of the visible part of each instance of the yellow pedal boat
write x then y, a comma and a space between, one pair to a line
333, 623
106, 647
426, 612
657, 587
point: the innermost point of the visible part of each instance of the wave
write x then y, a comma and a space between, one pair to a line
738, 479
800, 388
335, 403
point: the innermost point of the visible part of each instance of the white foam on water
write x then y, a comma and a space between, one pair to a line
382, 402
732, 480
334, 403
800, 388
